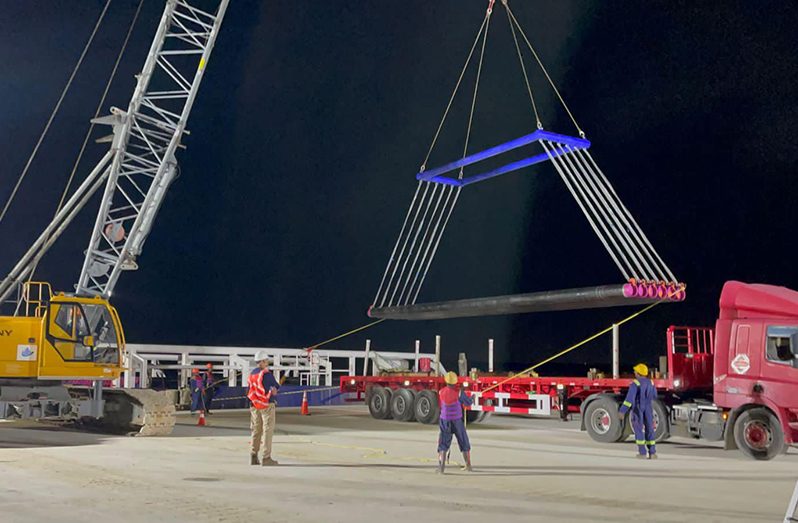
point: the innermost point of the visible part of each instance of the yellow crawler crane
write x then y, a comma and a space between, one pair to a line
56, 339
65, 338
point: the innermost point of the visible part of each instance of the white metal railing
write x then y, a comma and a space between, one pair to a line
317, 367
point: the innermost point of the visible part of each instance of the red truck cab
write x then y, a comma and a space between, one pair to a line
756, 372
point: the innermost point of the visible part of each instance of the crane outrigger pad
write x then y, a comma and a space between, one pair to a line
560, 300
436, 175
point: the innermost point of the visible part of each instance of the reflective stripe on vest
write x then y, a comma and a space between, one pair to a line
257, 394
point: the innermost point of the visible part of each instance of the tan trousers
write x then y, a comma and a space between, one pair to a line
262, 426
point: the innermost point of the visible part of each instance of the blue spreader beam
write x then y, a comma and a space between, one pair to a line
437, 174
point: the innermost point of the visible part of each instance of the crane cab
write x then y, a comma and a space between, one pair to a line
61, 338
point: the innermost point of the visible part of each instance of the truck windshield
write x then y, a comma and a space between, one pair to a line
779, 347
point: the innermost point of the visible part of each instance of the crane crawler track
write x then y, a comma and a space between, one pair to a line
140, 412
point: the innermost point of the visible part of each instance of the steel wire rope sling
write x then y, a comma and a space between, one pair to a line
87, 136
54, 112
647, 277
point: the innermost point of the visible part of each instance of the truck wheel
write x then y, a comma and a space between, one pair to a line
601, 420
426, 407
380, 403
402, 403
758, 434
474, 416
662, 427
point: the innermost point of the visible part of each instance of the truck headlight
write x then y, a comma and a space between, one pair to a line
677, 383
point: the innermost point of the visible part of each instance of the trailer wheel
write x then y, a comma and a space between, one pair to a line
662, 428
758, 434
601, 420
662, 431
475, 416
380, 402
426, 407
402, 403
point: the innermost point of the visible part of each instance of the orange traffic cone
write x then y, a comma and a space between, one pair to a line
304, 410
201, 420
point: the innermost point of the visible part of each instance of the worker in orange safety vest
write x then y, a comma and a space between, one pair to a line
262, 387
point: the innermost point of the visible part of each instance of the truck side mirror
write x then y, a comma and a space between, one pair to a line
88, 341
794, 349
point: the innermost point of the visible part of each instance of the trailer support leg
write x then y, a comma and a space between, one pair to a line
562, 395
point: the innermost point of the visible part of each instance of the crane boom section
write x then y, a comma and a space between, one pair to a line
146, 137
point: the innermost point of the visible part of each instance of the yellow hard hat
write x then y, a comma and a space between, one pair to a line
641, 368
450, 378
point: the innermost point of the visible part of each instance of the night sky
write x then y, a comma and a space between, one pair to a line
314, 117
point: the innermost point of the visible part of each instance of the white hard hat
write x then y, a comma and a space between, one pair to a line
261, 355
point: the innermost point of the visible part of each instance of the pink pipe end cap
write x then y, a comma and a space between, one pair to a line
628, 290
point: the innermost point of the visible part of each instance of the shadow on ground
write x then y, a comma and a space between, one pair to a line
38, 435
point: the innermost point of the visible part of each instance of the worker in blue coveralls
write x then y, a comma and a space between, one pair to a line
452, 399
639, 400
197, 385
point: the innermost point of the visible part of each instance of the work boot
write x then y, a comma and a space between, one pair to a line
467, 465
441, 462
269, 462
652, 456
641, 456
253, 459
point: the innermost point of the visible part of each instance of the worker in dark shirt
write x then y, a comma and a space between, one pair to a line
452, 399
639, 400
210, 387
262, 387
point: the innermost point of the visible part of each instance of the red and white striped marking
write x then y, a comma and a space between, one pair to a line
501, 403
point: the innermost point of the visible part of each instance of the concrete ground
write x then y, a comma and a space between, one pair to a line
340, 465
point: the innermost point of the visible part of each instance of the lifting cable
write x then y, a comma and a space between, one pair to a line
405, 274
454, 92
523, 67
476, 83
91, 126
54, 112
540, 63
583, 342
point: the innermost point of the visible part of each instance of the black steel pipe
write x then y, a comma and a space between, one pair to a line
561, 300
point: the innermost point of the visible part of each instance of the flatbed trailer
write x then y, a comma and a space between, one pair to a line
413, 396
742, 391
